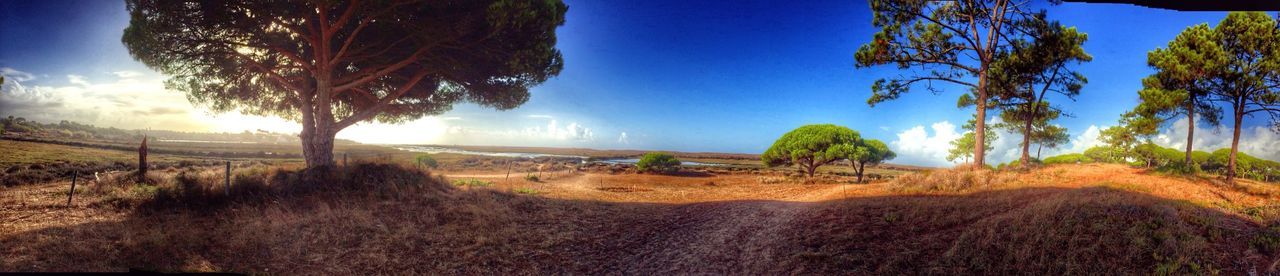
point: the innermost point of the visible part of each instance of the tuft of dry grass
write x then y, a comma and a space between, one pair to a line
208, 187
951, 180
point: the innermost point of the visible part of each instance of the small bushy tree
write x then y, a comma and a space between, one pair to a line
658, 162
869, 152
962, 148
811, 146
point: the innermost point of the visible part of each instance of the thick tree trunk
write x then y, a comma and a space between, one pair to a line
321, 149
1235, 142
861, 168
1191, 127
318, 127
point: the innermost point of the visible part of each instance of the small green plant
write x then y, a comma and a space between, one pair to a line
531, 177
426, 160
471, 183
526, 191
890, 217
1267, 241
141, 192
657, 162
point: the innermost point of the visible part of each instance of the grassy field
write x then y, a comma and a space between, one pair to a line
375, 217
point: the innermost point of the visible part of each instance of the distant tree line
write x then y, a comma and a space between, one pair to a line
1172, 160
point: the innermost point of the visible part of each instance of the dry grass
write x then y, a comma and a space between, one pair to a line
387, 219
1087, 231
952, 180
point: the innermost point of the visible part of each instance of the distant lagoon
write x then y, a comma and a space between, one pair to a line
583, 159
434, 150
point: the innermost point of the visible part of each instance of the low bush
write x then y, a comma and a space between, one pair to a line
471, 183
426, 160
657, 162
525, 191
1180, 168
208, 188
1070, 158
1267, 240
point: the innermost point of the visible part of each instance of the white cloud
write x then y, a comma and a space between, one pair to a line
572, 131
539, 116
622, 139
1256, 141
1086, 140
78, 80
11, 74
552, 133
127, 74
123, 103
916, 146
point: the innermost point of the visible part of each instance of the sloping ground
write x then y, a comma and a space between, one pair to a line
1074, 219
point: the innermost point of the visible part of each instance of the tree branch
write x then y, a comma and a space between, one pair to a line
377, 73
386, 100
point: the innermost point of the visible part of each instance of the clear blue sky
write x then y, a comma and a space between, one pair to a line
672, 75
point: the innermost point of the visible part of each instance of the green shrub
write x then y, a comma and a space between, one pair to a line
471, 183
1266, 241
657, 162
427, 160
1105, 154
526, 191
1070, 158
1180, 167
531, 177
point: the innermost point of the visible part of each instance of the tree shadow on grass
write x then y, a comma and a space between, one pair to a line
1020, 231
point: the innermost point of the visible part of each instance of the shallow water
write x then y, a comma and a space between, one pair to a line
631, 161
433, 149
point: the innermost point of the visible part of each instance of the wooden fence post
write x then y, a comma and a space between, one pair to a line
508, 171
344, 159
227, 184
74, 175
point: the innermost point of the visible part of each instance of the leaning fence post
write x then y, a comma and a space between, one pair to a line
74, 175
344, 159
228, 180
508, 171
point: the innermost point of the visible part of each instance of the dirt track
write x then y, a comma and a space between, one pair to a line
713, 230
740, 227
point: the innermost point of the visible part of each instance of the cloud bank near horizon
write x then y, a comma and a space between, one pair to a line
137, 100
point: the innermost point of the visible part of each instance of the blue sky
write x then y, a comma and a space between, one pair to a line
671, 75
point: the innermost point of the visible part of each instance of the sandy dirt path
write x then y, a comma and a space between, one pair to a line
716, 237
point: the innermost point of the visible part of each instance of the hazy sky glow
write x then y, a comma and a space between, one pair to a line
665, 75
